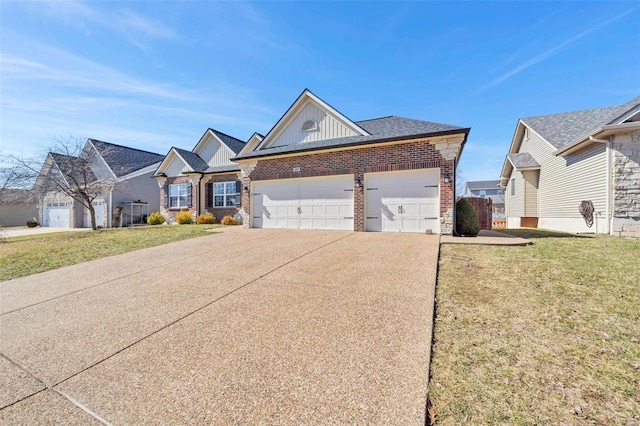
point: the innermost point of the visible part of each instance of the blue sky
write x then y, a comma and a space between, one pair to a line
157, 74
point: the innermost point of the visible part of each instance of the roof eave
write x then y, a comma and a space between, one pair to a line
465, 131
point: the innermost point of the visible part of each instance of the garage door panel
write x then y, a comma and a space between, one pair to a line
311, 203
404, 201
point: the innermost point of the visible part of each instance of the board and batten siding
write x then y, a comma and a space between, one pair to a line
567, 181
329, 127
214, 153
176, 167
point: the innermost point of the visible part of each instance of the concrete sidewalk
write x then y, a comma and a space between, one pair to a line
243, 327
19, 231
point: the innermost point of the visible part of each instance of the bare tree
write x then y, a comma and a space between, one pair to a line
68, 168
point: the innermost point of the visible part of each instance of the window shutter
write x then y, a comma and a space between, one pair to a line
209, 197
238, 193
190, 196
166, 194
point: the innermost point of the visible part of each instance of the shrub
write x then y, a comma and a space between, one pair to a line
467, 222
229, 220
156, 218
32, 223
184, 217
206, 219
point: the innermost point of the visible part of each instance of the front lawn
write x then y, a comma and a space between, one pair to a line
23, 256
543, 334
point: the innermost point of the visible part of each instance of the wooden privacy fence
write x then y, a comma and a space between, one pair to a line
499, 223
484, 210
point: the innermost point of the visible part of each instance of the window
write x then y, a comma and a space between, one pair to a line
512, 185
180, 195
309, 126
499, 192
225, 194
482, 193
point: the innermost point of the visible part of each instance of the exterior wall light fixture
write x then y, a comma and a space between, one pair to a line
358, 183
447, 177
245, 190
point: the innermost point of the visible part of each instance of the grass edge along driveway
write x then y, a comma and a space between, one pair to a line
23, 256
544, 334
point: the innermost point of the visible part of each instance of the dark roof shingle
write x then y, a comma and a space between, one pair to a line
234, 144
193, 160
123, 160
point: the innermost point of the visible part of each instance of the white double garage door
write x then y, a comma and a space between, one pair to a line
405, 201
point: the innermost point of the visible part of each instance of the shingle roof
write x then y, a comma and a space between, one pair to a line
73, 168
220, 169
380, 129
561, 129
522, 160
123, 160
193, 160
234, 144
483, 184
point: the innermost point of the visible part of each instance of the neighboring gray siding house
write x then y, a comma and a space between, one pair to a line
486, 189
576, 171
17, 206
123, 175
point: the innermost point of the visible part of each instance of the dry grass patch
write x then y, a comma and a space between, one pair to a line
23, 256
544, 334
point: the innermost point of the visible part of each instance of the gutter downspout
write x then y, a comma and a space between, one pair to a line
608, 180
110, 211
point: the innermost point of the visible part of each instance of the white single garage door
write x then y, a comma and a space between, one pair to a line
307, 203
405, 201
98, 208
56, 215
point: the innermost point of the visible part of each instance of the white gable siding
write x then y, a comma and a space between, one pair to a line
176, 167
328, 127
214, 153
566, 181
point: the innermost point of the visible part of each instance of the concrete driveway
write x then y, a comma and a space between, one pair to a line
242, 327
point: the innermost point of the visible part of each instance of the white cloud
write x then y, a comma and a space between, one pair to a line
550, 52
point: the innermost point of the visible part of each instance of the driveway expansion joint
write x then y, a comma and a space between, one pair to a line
124, 276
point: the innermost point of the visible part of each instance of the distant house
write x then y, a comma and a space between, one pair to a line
576, 171
17, 206
121, 173
487, 189
203, 179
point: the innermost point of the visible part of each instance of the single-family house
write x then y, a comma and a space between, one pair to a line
17, 206
486, 189
203, 179
317, 169
114, 175
576, 171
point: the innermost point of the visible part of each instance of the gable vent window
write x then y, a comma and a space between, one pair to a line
309, 126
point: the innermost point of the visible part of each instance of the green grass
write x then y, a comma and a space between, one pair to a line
543, 334
23, 256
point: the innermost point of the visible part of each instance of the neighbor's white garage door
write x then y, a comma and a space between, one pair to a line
98, 208
405, 201
306, 203
56, 215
